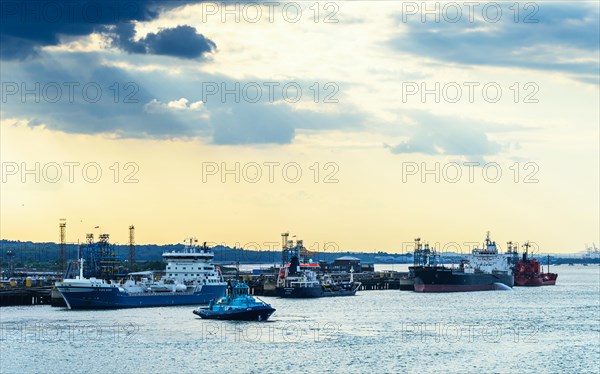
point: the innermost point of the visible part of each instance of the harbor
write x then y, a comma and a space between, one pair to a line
460, 326
295, 187
297, 275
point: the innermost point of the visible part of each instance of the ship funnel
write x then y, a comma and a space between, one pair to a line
294, 265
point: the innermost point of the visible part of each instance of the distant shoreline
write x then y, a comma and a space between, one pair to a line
30, 254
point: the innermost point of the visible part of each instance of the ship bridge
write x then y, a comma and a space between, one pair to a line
177, 256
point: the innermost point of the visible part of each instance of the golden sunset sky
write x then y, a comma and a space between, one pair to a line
370, 147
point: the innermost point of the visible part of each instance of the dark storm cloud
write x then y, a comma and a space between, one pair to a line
113, 103
544, 40
181, 41
28, 25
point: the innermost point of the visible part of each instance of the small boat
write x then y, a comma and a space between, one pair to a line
237, 305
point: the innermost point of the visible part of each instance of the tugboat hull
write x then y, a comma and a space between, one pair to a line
254, 314
448, 280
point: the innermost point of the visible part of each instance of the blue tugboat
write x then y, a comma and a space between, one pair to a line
237, 305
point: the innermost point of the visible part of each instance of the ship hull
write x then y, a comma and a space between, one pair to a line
299, 292
449, 280
349, 290
544, 279
113, 298
528, 282
549, 279
338, 293
319, 291
255, 314
528, 273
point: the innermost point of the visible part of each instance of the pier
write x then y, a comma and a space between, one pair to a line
25, 296
264, 284
28, 291
260, 285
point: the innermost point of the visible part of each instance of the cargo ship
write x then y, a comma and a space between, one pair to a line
528, 271
298, 278
190, 278
484, 270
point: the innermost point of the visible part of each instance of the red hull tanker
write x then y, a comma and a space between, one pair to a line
528, 272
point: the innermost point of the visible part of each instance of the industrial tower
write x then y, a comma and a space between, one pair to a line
63, 241
131, 248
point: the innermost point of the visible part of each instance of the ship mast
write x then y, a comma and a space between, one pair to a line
81, 260
526, 245
284, 248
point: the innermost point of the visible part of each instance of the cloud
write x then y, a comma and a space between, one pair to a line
564, 38
181, 41
29, 25
113, 103
157, 106
257, 123
262, 132
182, 105
435, 135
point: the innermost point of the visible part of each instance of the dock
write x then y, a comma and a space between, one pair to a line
260, 285
25, 296
264, 284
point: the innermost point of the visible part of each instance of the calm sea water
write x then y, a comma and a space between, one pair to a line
547, 329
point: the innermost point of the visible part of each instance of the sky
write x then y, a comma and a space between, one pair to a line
354, 125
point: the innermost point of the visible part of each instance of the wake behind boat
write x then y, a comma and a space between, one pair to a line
237, 305
190, 278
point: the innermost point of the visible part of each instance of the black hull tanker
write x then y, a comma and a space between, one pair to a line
485, 270
442, 279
